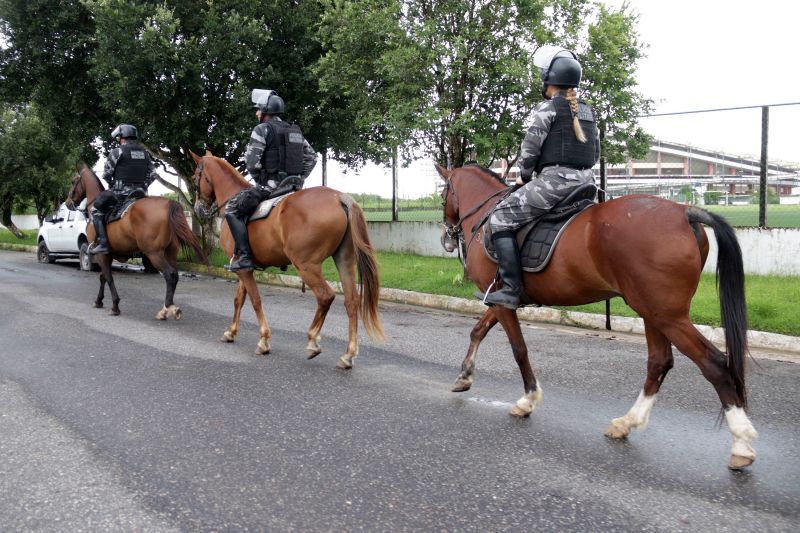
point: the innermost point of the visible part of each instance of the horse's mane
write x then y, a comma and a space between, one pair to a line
489, 171
225, 164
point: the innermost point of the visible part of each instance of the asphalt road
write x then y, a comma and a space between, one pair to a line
126, 423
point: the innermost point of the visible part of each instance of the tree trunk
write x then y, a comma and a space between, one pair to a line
6, 221
325, 168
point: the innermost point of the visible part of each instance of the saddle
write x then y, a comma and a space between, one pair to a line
123, 204
265, 208
537, 240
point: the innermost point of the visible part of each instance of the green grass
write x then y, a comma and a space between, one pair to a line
773, 301
8, 237
778, 216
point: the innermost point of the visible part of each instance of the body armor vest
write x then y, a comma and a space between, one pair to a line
283, 155
562, 147
132, 166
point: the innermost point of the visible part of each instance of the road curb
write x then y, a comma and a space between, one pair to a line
548, 315
756, 339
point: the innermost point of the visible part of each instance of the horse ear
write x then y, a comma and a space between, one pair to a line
443, 172
195, 157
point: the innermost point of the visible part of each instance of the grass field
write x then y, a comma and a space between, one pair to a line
30, 237
773, 301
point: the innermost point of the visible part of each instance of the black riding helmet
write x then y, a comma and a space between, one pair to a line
125, 131
558, 67
267, 101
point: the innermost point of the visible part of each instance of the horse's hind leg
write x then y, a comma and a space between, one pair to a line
105, 260
346, 265
533, 393
485, 323
238, 303
311, 274
170, 273
659, 362
714, 366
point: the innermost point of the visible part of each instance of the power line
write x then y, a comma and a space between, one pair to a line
718, 109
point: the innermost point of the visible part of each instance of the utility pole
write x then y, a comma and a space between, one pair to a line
395, 172
762, 203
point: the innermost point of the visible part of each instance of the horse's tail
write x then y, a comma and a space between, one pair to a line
181, 231
730, 283
367, 268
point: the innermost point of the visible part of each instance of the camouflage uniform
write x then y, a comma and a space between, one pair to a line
245, 202
551, 185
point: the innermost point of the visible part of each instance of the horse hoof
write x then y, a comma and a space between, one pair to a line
227, 337
161, 315
313, 352
615, 432
738, 462
462, 385
178, 313
114, 312
98, 305
344, 364
262, 348
519, 412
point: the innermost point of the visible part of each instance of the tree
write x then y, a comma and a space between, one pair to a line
609, 72
450, 77
46, 62
34, 165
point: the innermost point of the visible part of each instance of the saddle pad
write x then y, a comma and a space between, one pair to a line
265, 207
121, 208
537, 240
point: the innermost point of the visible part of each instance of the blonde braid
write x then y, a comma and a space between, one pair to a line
572, 98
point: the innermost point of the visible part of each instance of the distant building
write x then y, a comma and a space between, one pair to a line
670, 166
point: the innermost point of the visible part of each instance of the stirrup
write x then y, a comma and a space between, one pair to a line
98, 249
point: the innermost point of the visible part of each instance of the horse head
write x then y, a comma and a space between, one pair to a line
80, 189
204, 187
450, 228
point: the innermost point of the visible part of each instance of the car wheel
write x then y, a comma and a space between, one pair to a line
43, 254
86, 259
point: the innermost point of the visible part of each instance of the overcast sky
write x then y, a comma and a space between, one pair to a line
702, 54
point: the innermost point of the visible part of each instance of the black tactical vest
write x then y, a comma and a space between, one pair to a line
132, 165
561, 146
284, 151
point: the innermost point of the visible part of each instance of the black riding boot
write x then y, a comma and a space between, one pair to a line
102, 238
505, 243
238, 229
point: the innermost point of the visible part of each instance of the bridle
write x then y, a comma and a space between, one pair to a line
207, 212
455, 231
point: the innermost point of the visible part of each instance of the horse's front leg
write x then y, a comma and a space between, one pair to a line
238, 303
533, 393
485, 323
249, 282
106, 276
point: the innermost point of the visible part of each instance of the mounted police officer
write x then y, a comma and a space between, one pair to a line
278, 158
561, 146
129, 171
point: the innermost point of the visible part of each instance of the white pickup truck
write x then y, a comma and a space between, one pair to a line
63, 236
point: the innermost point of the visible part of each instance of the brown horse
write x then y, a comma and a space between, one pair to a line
153, 226
648, 250
303, 230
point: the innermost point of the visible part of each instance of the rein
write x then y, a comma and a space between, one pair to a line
456, 231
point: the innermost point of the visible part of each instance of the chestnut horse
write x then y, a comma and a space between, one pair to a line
153, 226
303, 230
648, 250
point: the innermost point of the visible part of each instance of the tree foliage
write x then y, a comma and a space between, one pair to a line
609, 67
34, 164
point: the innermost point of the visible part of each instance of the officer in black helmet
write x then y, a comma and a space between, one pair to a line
278, 158
129, 170
556, 157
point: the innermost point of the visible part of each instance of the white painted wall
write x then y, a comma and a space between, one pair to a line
771, 251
